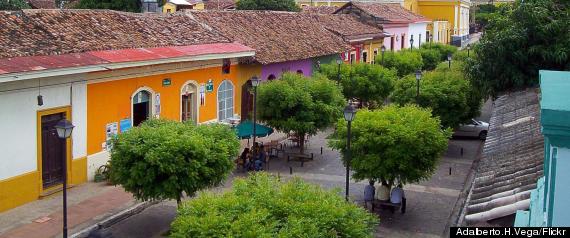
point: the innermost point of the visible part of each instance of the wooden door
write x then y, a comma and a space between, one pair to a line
189, 107
53, 151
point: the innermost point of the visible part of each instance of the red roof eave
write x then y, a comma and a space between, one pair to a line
38, 63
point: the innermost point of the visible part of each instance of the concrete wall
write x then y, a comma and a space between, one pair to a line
397, 32
418, 30
276, 69
561, 207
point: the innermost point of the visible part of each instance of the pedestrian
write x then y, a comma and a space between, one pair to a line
383, 191
397, 194
369, 194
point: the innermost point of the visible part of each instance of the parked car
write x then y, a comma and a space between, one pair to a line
473, 129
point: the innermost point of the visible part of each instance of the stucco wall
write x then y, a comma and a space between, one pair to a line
561, 209
418, 30
397, 32
306, 65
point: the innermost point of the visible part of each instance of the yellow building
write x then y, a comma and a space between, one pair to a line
177, 5
450, 18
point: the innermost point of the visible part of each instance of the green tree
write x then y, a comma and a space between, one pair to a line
262, 206
162, 159
443, 49
366, 83
299, 104
430, 58
519, 40
404, 61
393, 143
445, 91
119, 5
273, 5
13, 5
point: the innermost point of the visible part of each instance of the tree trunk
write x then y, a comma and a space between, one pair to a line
179, 200
302, 142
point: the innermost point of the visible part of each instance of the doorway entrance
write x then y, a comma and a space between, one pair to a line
54, 150
247, 100
141, 107
189, 102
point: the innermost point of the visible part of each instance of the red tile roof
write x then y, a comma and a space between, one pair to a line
219, 4
319, 9
389, 12
276, 36
55, 32
347, 26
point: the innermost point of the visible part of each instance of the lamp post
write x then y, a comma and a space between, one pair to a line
64, 129
449, 59
418, 78
430, 40
468, 48
349, 113
339, 63
412, 42
254, 82
383, 49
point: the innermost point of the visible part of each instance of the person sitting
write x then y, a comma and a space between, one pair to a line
397, 195
261, 158
382, 191
369, 194
243, 158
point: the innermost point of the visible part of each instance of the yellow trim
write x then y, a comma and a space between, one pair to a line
67, 111
79, 170
18, 190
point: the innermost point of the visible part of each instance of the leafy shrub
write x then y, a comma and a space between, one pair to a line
262, 206
443, 49
160, 159
430, 58
404, 61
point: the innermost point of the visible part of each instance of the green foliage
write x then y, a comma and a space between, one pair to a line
392, 143
119, 5
519, 40
273, 5
262, 206
461, 55
404, 61
430, 58
161, 159
484, 13
445, 91
367, 83
443, 49
299, 104
13, 5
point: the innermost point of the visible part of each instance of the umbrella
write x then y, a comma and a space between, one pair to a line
245, 130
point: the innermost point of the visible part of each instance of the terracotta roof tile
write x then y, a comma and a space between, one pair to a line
54, 32
512, 159
389, 11
276, 36
347, 26
219, 4
319, 9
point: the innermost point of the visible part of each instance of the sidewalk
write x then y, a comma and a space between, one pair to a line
87, 204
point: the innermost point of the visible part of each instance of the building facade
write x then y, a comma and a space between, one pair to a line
455, 13
548, 202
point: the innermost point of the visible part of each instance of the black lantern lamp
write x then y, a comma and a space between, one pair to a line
383, 49
64, 129
412, 42
418, 78
349, 114
449, 59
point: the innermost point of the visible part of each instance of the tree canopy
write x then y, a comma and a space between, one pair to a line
262, 206
13, 5
445, 91
364, 82
273, 5
404, 61
393, 143
161, 159
299, 104
119, 5
519, 40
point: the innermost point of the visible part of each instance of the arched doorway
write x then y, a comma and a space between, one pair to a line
247, 101
189, 103
141, 107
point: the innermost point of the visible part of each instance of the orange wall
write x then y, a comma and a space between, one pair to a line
110, 101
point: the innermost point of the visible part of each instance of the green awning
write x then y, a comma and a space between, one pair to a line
245, 130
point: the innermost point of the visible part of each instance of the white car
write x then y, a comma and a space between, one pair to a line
473, 129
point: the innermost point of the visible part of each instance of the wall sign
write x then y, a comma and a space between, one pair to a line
125, 124
157, 106
166, 82
210, 86
202, 95
111, 130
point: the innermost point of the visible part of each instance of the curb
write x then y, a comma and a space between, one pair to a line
113, 219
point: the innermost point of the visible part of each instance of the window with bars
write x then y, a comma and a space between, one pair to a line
225, 100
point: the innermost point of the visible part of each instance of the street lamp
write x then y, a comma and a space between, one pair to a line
254, 82
449, 59
349, 113
430, 40
383, 49
412, 42
418, 78
339, 63
64, 129
468, 48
